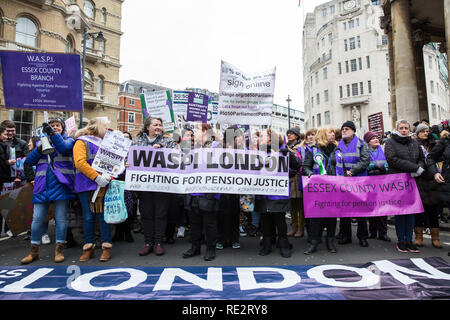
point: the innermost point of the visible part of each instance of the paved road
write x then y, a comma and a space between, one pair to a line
12, 250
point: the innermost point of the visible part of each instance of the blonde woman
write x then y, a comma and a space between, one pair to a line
87, 180
321, 159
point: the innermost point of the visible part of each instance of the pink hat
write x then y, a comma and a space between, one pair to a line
369, 136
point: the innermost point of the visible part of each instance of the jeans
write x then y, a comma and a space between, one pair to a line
39, 227
89, 221
404, 227
255, 218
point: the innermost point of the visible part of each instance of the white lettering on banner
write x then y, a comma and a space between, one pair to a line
247, 279
368, 278
213, 279
397, 271
83, 282
20, 285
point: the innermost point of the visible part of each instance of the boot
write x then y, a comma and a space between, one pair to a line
70, 239
435, 238
330, 244
59, 252
106, 252
33, 255
312, 247
210, 253
88, 252
292, 232
128, 236
192, 252
419, 236
285, 248
267, 246
299, 234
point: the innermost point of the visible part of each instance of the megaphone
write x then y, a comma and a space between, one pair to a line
46, 146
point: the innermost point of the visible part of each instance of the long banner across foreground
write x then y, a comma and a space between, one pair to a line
209, 170
412, 279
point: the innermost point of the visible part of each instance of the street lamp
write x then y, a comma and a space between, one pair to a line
99, 37
289, 111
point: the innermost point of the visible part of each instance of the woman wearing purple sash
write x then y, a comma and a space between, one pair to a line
378, 165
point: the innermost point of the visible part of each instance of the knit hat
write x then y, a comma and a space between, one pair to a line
349, 124
421, 127
369, 136
60, 120
295, 131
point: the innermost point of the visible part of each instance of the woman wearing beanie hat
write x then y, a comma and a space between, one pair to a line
432, 208
378, 166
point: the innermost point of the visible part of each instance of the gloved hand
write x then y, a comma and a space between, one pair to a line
420, 171
39, 148
284, 151
371, 166
102, 180
48, 129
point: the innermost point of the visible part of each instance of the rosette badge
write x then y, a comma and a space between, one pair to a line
318, 158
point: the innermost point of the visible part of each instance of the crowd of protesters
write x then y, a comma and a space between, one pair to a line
65, 178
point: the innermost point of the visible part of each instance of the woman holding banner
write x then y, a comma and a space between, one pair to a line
87, 181
54, 180
378, 165
204, 206
321, 159
273, 208
404, 154
154, 206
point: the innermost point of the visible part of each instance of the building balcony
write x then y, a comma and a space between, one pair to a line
93, 55
320, 62
94, 99
15, 46
350, 101
43, 4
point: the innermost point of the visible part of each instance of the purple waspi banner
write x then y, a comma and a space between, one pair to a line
369, 196
47, 81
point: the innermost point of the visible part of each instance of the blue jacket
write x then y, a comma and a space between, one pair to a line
54, 190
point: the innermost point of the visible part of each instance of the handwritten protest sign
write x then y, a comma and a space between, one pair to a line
71, 125
159, 104
335, 196
245, 98
207, 171
111, 154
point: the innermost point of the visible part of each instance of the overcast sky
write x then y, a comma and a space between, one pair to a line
180, 43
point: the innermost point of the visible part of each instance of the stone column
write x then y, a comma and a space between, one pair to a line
447, 31
392, 77
406, 95
419, 40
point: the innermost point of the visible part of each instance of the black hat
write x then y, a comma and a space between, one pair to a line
349, 124
295, 131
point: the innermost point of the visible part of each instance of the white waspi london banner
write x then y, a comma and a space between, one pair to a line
245, 99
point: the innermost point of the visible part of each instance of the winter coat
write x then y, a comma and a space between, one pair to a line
54, 189
5, 168
441, 152
295, 190
428, 183
22, 151
329, 160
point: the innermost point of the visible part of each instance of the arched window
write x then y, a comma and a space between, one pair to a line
100, 85
26, 32
101, 46
89, 80
103, 15
70, 44
90, 42
89, 9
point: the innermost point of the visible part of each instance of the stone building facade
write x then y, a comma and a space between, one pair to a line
58, 26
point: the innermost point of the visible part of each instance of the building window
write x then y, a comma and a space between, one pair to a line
368, 62
433, 111
311, 82
357, 22
89, 9
90, 42
319, 119
354, 89
369, 86
361, 87
351, 24
360, 63
330, 38
101, 46
345, 45
317, 77
389, 85
131, 101
314, 122
325, 73
24, 123
325, 94
389, 108
69, 44
432, 86
312, 102
384, 40
352, 43
324, 12
348, 90
26, 32
332, 10
359, 41
341, 94
387, 59
430, 62
323, 42
353, 65
100, 85
131, 117
318, 99
346, 66
327, 117
339, 68
103, 15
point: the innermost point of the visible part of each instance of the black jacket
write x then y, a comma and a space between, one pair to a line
403, 154
5, 168
441, 152
330, 160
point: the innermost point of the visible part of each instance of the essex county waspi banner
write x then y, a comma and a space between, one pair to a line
384, 195
245, 99
42, 81
208, 170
